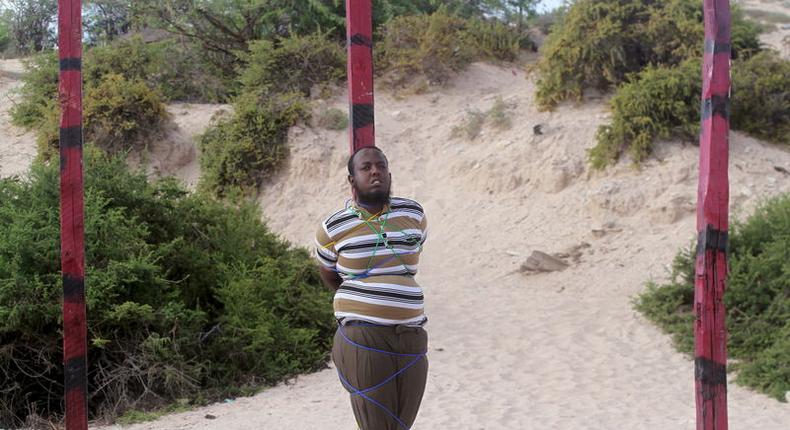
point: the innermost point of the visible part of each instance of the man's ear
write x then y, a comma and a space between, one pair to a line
351, 179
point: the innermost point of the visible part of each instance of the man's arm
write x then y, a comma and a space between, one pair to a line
330, 278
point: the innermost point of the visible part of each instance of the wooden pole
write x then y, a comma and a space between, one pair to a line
72, 214
359, 30
710, 332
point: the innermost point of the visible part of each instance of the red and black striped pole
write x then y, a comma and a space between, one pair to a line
72, 241
359, 29
710, 332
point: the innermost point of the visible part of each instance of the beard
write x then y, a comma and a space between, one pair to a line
373, 198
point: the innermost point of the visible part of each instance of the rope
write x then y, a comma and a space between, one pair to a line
380, 238
363, 393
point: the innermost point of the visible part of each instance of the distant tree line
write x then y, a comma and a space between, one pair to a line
224, 27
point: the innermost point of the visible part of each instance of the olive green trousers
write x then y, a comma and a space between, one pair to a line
384, 369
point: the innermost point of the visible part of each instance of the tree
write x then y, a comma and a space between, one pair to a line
31, 23
5, 37
105, 20
519, 10
225, 28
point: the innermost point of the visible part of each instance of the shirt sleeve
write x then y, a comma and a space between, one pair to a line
325, 249
424, 229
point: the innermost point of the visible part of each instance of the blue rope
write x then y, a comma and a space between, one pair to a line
363, 393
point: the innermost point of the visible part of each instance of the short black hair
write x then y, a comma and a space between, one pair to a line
354, 155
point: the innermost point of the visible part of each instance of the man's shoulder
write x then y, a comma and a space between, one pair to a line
402, 203
336, 218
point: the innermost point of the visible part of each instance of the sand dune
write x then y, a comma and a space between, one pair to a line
550, 351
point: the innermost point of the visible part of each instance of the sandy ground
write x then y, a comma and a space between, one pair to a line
779, 39
176, 152
561, 350
551, 351
17, 147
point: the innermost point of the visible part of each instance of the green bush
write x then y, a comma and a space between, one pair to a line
433, 46
757, 299
548, 21
168, 67
122, 114
293, 64
470, 126
659, 102
186, 296
333, 119
172, 66
600, 42
496, 41
761, 97
118, 115
499, 117
241, 151
5, 38
663, 102
39, 91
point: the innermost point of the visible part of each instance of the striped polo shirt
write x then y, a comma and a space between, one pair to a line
377, 257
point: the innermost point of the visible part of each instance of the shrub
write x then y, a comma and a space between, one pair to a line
663, 102
659, 102
293, 64
546, 22
599, 43
39, 90
186, 296
333, 119
757, 299
499, 114
122, 114
472, 125
496, 41
172, 66
761, 97
432, 46
240, 152
5, 38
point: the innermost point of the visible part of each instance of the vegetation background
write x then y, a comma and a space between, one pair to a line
193, 299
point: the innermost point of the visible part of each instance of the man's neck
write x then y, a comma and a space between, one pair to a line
372, 208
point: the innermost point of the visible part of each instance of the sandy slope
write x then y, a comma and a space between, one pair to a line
509, 351
173, 154
17, 147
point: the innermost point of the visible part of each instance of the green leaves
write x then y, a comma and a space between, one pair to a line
757, 299
761, 97
185, 294
600, 43
663, 102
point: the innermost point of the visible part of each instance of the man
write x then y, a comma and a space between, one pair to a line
369, 253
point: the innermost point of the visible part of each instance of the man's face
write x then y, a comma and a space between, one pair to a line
371, 179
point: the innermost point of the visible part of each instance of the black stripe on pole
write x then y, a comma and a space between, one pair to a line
71, 65
71, 137
711, 47
709, 372
716, 105
710, 238
363, 115
73, 289
359, 39
76, 373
